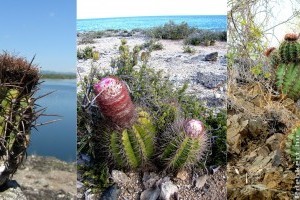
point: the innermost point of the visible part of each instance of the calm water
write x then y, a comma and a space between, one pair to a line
212, 22
57, 139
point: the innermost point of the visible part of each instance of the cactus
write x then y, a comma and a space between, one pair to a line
293, 144
130, 137
286, 63
18, 81
114, 102
133, 147
186, 145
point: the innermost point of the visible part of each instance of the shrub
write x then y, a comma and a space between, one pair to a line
189, 49
205, 37
171, 31
87, 53
152, 45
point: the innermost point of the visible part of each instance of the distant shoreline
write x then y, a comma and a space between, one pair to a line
58, 76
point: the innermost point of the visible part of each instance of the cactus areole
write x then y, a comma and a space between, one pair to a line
114, 101
194, 128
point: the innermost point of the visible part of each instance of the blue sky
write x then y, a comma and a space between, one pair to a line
126, 8
46, 28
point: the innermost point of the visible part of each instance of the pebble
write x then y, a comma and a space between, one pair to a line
168, 189
111, 193
119, 177
150, 194
149, 179
182, 175
211, 57
200, 182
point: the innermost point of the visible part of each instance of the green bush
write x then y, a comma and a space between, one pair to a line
205, 37
152, 45
189, 49
171, 31
87, 53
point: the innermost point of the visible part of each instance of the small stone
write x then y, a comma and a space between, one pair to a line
217, 95
168, 189
149, 179
111, 193
273, 142
211, 57
150, 194
119, 177
210, 80
182, 175
200, 182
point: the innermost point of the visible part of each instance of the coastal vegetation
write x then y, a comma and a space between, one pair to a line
57, 75
168, 31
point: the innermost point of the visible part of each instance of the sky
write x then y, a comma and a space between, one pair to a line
281, 11
46, 28
87, 9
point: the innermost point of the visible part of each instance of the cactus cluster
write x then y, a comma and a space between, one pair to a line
18, 81
130, 136
293, 144
131, 131
183, 144
286, 63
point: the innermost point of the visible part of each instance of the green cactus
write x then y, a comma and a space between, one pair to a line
293, 144
18, 81
286, 63
133, 147
131, 132
183, 144
289, 51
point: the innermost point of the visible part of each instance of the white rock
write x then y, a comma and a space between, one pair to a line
200, 182
119, 177
167, 190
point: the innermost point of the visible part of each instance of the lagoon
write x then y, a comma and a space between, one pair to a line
56, 139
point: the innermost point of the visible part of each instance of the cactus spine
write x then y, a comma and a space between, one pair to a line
286, 62
293, 144
186, 145
131, 141
18, 81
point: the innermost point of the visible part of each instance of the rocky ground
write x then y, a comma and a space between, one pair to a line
42, 178
184, 185
258, 124
205, 70
206, 74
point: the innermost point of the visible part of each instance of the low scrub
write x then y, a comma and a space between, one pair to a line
171, 31
205, 37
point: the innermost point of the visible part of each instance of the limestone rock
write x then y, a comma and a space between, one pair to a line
119, 177
12, 191
168, 189
211, 57
150, 194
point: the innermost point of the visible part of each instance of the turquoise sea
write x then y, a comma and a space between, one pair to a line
211, 22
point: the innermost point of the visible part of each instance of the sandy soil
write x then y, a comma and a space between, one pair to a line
179, 66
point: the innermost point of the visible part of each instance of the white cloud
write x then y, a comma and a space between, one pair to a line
117, 8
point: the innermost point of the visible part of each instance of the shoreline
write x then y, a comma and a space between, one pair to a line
43, 177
